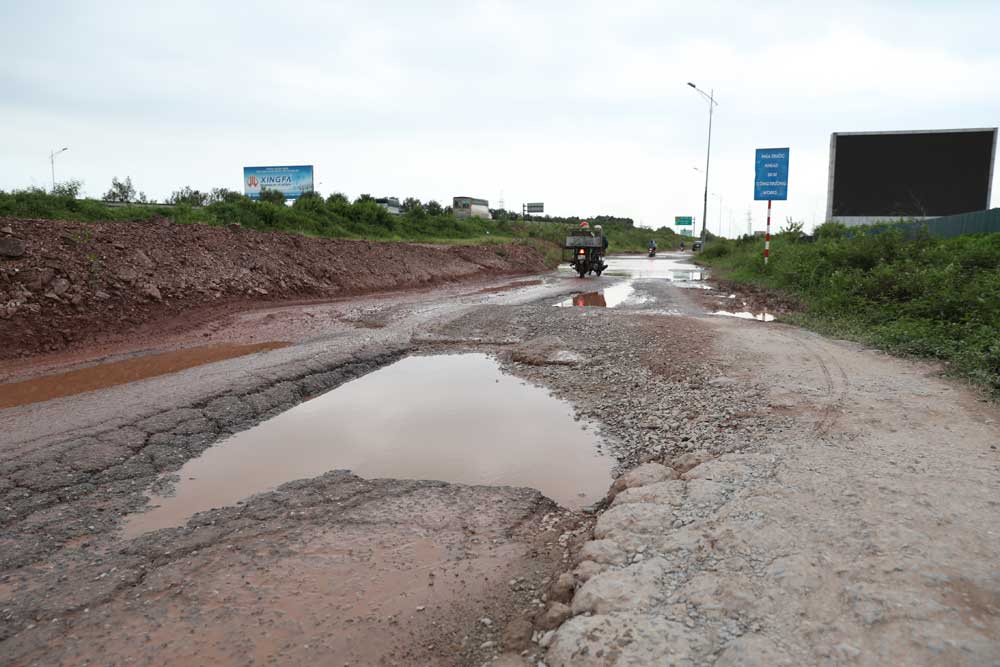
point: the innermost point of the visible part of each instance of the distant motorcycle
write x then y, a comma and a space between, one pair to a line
652, 252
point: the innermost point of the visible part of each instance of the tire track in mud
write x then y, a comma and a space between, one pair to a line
837, 387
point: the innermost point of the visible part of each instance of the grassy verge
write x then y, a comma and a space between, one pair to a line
334, 217
933, 298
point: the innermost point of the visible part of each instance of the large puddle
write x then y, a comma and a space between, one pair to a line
673, 268
455, 418
110, 374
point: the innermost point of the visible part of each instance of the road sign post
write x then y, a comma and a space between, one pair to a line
770, 183
532, 207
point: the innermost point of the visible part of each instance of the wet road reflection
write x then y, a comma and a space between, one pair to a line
746, 315
609, 297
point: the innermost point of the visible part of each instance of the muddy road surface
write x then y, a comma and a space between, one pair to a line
636, 469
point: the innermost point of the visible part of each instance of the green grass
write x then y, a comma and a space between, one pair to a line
932, 298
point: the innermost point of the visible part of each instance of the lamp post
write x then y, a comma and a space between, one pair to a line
52, 162
710, 96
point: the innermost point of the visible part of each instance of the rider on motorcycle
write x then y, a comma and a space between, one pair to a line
604, 239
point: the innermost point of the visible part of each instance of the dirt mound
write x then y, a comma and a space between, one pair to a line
64, 283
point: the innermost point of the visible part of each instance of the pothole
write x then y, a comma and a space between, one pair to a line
455, 418
609, 297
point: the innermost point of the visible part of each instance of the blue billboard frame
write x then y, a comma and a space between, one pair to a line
292, 181
771, 174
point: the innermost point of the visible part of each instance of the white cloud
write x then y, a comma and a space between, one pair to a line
583, 105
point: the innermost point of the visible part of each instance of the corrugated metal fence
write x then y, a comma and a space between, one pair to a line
980, 222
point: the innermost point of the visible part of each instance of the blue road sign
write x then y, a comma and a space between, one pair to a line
771, 179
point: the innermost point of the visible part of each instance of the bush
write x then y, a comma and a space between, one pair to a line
188, 196
272, 196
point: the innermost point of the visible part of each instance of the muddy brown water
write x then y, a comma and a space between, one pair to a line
609, 297
110, 374
456, 418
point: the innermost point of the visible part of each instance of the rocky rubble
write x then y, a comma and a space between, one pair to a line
662, 416
645, 583
623, 374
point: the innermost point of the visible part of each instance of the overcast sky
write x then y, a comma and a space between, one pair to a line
581, 105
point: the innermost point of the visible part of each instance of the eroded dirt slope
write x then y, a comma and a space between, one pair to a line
65, 283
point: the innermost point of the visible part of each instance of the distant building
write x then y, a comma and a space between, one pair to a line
390, 204
470, 207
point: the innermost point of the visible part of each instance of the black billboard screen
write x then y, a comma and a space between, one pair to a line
912, 174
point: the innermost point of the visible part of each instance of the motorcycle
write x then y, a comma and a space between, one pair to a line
652, 252
585, 254
588, 260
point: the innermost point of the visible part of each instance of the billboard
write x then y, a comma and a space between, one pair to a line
291, 181
913, 174
535, 207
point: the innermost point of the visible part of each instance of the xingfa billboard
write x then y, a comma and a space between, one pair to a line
292, 181
912, 174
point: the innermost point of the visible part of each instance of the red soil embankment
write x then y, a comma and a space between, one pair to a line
80, 282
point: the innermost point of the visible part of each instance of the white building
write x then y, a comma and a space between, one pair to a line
390, 204
470, 207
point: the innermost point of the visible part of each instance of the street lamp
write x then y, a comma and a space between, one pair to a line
52, 162
710, 96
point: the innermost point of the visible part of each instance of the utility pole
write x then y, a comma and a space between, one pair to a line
749, 221
710, 96
52, 162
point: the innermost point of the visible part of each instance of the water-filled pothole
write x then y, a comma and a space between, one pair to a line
608, 297
455, 418
673, 268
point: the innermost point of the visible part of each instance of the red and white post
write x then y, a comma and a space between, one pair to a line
767, 235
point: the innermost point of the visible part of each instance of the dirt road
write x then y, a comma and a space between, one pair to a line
781, 499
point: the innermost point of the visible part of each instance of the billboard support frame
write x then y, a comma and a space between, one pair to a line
871, 219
